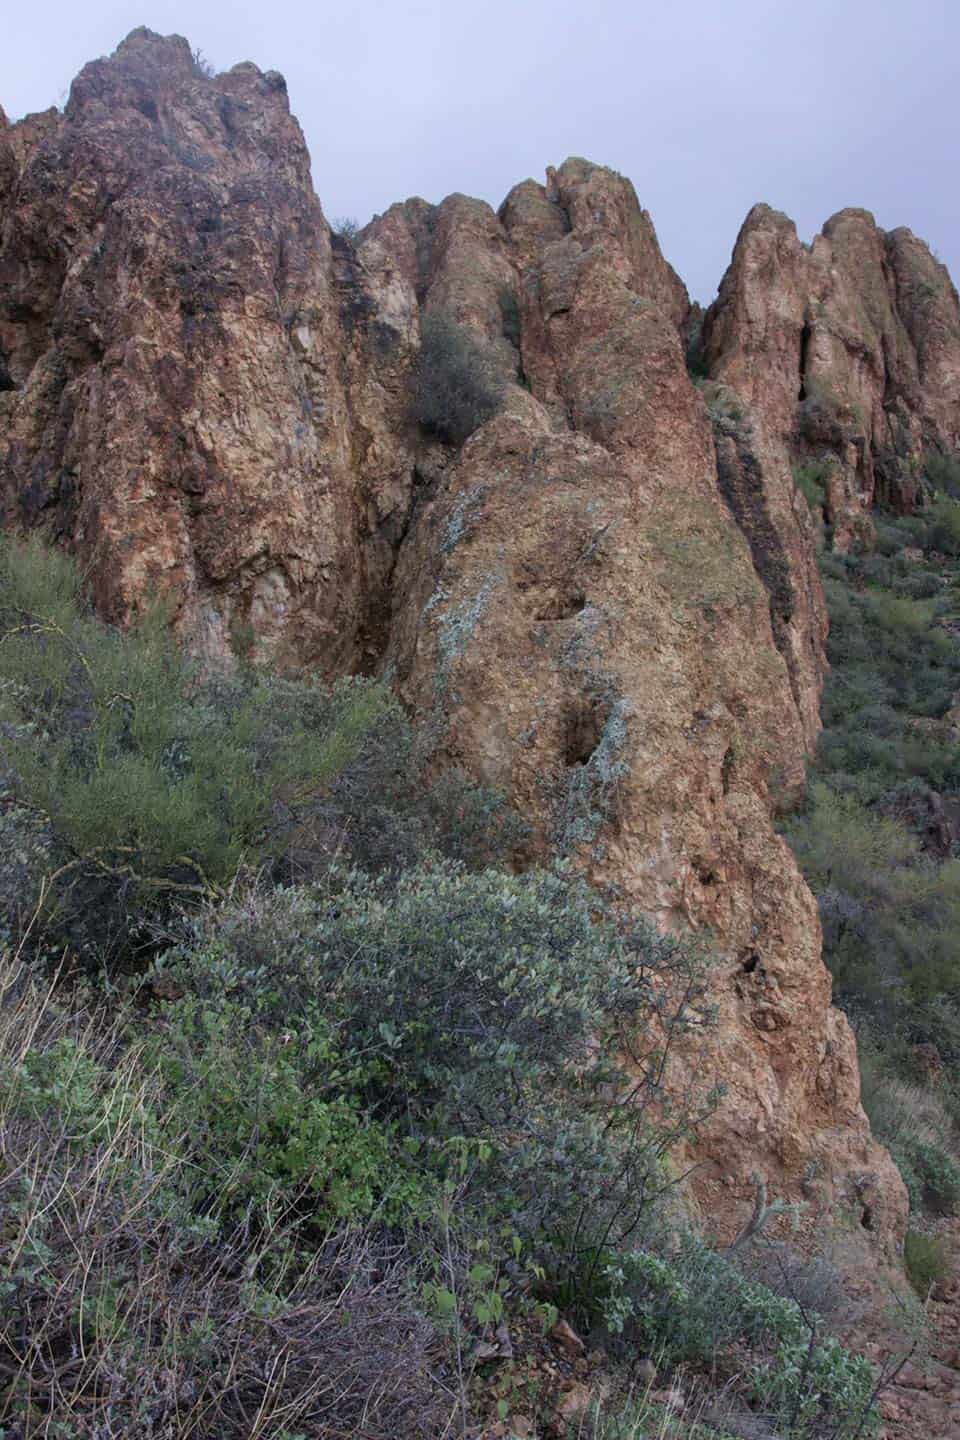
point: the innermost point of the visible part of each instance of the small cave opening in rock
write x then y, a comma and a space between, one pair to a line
705, 874
583, 730
750, 962
866, 1217
562, 605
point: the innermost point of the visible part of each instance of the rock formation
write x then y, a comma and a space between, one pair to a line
847, 351
606, 601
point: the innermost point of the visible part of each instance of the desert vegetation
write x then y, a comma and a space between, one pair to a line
877, 835
457, 385
308, 1102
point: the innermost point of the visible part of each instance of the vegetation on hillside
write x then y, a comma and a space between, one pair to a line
306, 1100
877, 835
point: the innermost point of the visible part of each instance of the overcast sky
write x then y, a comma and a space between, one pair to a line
707, 105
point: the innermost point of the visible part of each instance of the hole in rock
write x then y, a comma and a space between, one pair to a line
561, 605
866, 1217
750, 962
704, 874
584, 727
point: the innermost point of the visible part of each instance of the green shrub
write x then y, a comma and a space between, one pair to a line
807, 1387
926, 1260
811, 480
457, 384
694, 1304
944, 529
943, 473
146, 775
138, 781
275, 1118
821, 418
939, 1174
499, 1046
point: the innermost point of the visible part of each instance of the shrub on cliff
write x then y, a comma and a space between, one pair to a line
821, 420
457, 385
943, 473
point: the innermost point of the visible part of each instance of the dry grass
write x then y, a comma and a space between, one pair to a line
125, 1314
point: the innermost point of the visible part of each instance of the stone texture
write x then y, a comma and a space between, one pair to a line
584, 622
607, 602
180, 334
846, 351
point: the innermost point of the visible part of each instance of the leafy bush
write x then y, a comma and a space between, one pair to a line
357, 1052
811, 480
889, 915
131, 779
145, 774
696, 1303
821, 419
943, 473
499, 1049
944, 530
939, 1174
457, 384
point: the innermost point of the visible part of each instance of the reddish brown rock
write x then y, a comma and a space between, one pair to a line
847, 353
179, 336
592, 619
606, 602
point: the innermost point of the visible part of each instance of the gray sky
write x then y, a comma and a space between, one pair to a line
707, 105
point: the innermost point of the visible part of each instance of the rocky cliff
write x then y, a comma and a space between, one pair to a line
846, 350
606, 601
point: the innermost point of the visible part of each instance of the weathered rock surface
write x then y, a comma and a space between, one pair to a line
586, 624
846, 352
178, 336
606, 602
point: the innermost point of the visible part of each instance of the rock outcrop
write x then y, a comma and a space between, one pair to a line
605, 602
179, 334
593, 617
847, 353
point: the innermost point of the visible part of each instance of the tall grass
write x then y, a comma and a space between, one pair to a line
124, 1313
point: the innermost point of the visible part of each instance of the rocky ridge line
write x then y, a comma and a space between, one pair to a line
606, 602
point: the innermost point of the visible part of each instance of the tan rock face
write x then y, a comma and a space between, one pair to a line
606, 602
180, 335
585, 623
846, 351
